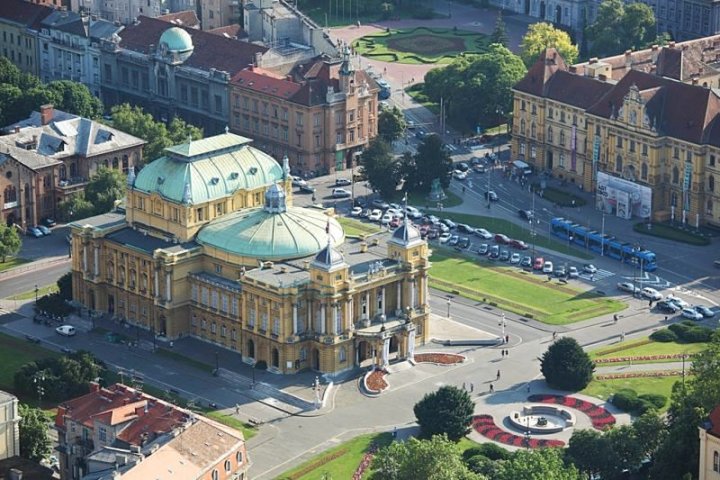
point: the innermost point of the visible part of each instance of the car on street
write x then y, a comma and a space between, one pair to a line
515, 258
413, 212
677, 301
494, 252
463, 228
483, 249
66, 330
692, 314
504, 255
43, 229
464, 242
375, 215
526, 214
49, 222
651, 294
667, 307
307, 188
538, 264
34, 232
484, 234
342, 182
462, 166
454, 240
386, 219
298, 181
502, 239
573, 272
356, 211
628, 287
444, 237
589, 268
380, 203
479, 168
340, 193
450, 224
704, 311
526, 261
519, 244
492, 196
458, 175
547, 267
560, 271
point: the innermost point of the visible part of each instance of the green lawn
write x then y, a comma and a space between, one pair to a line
420, 200
603, 389
560, 197
669, 232
14, 353
339, 462
517, 291
653, 348
356, 228
31, 293
247, 430
12, 263
499, 225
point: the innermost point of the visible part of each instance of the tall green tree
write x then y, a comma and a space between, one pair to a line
179, 131
566, 366
431, 162
618, 27
64, 285
75, 98
105, 187
379, 167
75, 207
499, 34
543, 35
61, 378
10, 241
544, 463
391, 124
34, 439
447, 411
433, 459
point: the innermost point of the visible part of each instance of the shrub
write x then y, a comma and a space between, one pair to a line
655, 399
698, 334
680, 329
566, 366
454, 421
625, 400
664, 335
488, 450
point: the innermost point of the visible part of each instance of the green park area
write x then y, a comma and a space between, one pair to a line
420, 45
604, 389
528, 295
356, 228
644, 350
14, 353
12, 263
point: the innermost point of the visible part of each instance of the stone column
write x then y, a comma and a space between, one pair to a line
322, 319
398, 303
156, 282
308, 316
411, 345
96, 260
168, 286
294, 318
386, 353
84, 258
413, 296
382, 300
350, 319
337, 325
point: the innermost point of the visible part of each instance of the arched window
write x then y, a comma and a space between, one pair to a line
132, 279
343, 354
644, 171
110, 271
675, 175
121, 276
115, 163
532, 130
27, 193
711, 183
144, 282
303, 354
562, 137
215, 475
10, 194
522, 126
618, 163
239, 457
106, 163
228, 466
63, 172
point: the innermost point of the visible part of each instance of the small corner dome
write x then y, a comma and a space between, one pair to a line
406, 234
177, 40
328, 258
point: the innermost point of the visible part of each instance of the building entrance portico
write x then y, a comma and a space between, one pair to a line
381, 343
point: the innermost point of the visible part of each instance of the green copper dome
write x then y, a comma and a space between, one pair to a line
177, 40
269, 234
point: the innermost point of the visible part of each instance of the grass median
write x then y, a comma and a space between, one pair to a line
356, 228
14, 353
668, 232
604, 389
528, 295
30, 294
645, 347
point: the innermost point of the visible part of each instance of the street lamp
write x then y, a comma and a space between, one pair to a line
448, 307
36, 293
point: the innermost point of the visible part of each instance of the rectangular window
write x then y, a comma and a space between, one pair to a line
223, 331
264, 322
233, 334
204, 295
213, 327
218, 104
299, 119
632, 145
712, 160
214, 299
351, 116
199, 215
251, 318
224, 303
644, 149
234, 307
276, 326
619, 142
219, 209
124, 76
316, 119
183, 93
218, 268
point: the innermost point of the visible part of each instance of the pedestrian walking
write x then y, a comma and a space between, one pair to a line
554, 335
472, 387
498, 375
592, 277
492, 388
464, 386
507, 353
507, 338
237, 409
622, 336
615, 318
394, 432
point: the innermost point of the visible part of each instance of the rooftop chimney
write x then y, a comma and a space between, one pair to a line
593, 60
671, 44
139, 411
46, 113
573, 69
94, 387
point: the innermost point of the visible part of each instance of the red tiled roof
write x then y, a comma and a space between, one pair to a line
715, 421
265, 82
24, 13
537, 77
232, 31
211, 51
187, 18
576, 90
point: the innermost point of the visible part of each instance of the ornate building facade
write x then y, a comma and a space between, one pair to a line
211, 246
646, 132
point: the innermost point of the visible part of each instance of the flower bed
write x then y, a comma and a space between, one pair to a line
439, 358
656, 374
485, 426
365, 462
643, 358
319, 463
600, 417
375, 382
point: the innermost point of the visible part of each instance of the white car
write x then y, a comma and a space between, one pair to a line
651, 294
573, 272
340, 193
677, 301
386, 219
590, 268
69, 330
627, 287
356, 211
548, 267
444, 237
298, 182
375, 215
460, 175
395, 212
413, 212
692, 314
515, 258
484, 234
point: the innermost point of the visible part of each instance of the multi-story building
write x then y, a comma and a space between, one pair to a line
127, 11
710, 447
211, 246
9, 426
122, 433
52, 155
320, 115
647, 145
19, 28
219, 13
69, 46
567, 13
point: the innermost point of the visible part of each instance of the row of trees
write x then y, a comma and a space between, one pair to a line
105, 187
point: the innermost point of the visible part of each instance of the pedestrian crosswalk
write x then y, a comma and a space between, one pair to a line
599, 275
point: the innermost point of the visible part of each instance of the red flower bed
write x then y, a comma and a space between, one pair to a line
485, 426
375, 381
600, 417
641, 358
440, 358
365, 462
661, 373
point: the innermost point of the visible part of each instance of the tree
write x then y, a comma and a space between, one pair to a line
431, 162
499, 34
610, 454
391, 124
543, 35
34, 440
618, 27
544, 463
64, 285
75, 207
379, 167
566, 366
10, 241
105, 187
60, 378
179, 131
447, 411
434, 459
75, 98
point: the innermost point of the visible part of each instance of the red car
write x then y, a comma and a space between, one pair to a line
519, 244
502, 239
539, 262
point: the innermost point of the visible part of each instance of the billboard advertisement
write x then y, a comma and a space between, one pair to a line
626, 199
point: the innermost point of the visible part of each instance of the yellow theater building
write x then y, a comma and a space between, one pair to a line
211, 246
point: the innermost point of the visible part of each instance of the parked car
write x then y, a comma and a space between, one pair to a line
66, 330
483, 249
526, 261
704, 311
365, 213
692, 314
298, 181
307, 188
484, 234
43, 229
463, 228
515, 258
650, 294
450, 224
454, 240
413, 212
442, 227
494, 252
49, 222
342, 182
464, 242
573, 272
492, 196
590, 268
677, 301
538, 264
547, 267
519, 244
386, 219
504, 255
433, 234
502, 239
479, 168
356, 211
444, 237
375, 215
34, 232
667, 307
458, 175
380, 203
560, 271
340, 193
627, 287
526, 214
462, 166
